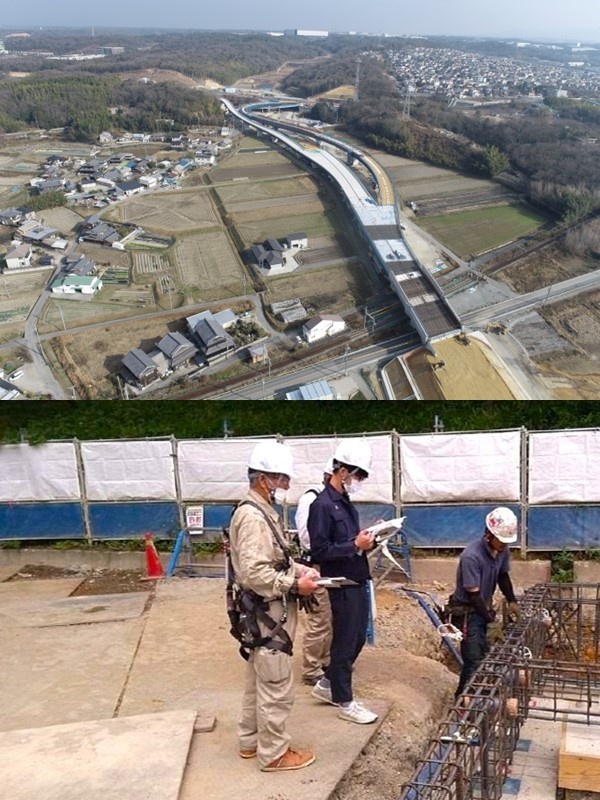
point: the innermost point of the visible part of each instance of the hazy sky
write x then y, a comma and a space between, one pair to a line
550, 19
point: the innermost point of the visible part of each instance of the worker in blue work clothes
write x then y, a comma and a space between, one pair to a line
483, 565
339, 547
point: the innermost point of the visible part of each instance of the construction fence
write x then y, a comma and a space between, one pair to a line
443, 483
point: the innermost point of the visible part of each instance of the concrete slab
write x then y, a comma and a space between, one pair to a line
72, 610
53, 587
187, 659
111, 759
50, 676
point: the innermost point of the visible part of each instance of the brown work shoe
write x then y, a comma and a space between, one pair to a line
248, 752
291, 759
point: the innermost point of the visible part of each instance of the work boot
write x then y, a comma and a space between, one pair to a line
248, 752
356, 712
323, 693
291, 759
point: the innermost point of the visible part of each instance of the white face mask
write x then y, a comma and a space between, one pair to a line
353, 487
279, 496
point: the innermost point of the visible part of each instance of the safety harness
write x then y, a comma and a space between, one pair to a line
246, 608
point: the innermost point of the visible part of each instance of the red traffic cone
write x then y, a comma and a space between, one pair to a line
154, 568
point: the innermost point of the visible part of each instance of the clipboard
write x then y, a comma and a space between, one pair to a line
335, 583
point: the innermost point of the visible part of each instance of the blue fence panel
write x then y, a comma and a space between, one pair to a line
41, 521
217, 517
555, 527
368, 513
446, 526
130, 520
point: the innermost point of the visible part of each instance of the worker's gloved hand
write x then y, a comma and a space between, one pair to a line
495, 634
514, 613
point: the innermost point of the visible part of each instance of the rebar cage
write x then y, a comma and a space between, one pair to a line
547, 667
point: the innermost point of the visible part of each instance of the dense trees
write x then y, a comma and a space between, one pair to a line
102, 419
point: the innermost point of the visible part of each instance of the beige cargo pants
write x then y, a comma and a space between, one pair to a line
268, 696
316, 642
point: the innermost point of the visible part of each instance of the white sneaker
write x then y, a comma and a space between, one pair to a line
323, 693
356, 712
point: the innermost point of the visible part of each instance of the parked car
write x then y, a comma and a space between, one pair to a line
16, 375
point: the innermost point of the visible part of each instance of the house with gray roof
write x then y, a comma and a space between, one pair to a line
178, 350
213, 340
139, 368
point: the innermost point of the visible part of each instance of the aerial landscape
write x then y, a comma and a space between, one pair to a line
272, 212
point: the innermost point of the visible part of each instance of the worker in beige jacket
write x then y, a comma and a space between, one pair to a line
270, 582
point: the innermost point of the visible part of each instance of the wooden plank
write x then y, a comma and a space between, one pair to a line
579, 758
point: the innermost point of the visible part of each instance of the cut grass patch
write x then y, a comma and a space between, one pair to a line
475, 231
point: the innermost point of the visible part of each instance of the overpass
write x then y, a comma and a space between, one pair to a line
377, 223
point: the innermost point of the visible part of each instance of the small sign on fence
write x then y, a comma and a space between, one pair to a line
194, 518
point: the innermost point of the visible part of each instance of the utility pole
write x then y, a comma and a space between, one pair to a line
347, 351
371, 317
262, 380
62, 317
6, 287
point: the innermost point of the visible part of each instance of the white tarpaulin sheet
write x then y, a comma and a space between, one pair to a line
216, 470
439, 468
564, 467
44, 472
134, 470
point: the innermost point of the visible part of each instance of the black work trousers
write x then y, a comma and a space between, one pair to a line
349, 618
473, 647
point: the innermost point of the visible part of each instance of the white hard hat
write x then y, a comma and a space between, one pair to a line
502, 523
328, 468
354, 453
272, 456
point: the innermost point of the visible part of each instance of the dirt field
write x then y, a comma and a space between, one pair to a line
324, 223
63, 219
468, 373
169, 212
244, 191
333, 288
105, 255
575, 375
544, 268
209, 262
276, 209
112, 302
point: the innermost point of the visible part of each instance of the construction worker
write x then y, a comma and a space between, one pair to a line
317, 629
339, 547
483, 565
268, 575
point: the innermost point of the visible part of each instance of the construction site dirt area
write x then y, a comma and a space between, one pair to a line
186, 659
461, 369
544, 268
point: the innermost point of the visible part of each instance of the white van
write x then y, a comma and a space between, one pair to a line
16, 375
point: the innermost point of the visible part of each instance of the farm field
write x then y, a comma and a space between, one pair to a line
112, 302
329, 290
63, 219
324, 223
18, 293
275, 209
477, 230
169, 212
104, 255
208, 263
245, 191
548, 266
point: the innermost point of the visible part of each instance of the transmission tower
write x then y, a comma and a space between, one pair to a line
357, 81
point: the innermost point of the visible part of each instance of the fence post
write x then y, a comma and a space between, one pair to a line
83, 491
524, 499
180, 508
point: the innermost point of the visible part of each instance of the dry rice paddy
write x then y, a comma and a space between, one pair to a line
170, 212
209, 262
